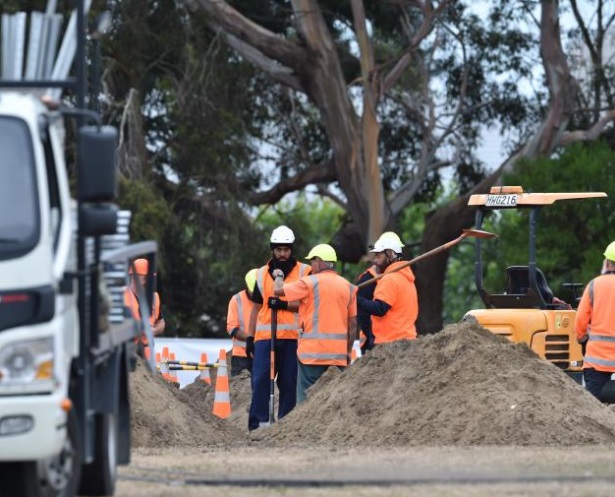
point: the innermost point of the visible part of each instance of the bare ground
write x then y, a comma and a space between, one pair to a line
462, 412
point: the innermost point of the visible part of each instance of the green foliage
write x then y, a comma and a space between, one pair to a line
150, 213
314, 220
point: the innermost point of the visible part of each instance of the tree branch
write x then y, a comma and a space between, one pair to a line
318, 173
588, 134
279, 73
226, 18
429, 14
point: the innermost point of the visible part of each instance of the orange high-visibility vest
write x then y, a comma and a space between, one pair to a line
399, 291
130, 301
596, 319
238, 316
288, 322
327, 301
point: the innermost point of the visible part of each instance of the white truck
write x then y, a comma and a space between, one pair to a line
65, 358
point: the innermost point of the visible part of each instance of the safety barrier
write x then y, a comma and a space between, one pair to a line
167, 365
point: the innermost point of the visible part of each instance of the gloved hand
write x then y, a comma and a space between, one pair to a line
583, 342
276, 303
250, 347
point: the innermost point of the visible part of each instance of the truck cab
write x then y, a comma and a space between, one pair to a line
67, 345
526, 309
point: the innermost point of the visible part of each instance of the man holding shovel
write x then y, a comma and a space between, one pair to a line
328, 311
273, 332
395, 306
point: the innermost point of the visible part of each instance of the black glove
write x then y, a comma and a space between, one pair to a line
276, 303
250, 347
583, 343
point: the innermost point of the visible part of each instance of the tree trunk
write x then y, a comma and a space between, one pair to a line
442, 226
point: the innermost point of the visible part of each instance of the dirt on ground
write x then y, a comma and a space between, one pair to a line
165, 416
463, 386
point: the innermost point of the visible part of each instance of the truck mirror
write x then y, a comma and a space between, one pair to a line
96, 163
98, 219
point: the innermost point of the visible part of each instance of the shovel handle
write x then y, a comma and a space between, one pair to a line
465, 234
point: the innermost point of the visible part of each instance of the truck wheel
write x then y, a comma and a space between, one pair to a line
53, 477
98, 477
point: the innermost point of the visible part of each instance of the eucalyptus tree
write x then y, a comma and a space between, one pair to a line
370, 102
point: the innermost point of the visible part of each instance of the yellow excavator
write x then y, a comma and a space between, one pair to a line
526, 311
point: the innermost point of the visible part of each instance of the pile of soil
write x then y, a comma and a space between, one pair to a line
165, 416
462, 386
240, 393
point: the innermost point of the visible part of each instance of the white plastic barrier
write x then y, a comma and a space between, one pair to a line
190, 349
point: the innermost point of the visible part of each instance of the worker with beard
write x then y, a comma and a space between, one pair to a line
395, 307
258, 343
364, 319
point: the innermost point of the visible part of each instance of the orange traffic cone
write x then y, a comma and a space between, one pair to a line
222, 397
205, 376
173, 375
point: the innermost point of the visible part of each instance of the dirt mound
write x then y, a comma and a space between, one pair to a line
462, 386
165, 416
240, 393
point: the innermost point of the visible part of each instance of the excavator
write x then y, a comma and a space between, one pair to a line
527, 311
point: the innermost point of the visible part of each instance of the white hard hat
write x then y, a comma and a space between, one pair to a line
282, 235
391, 235
383, 244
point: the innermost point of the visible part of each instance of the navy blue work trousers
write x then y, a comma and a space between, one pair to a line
595, 381
286, 370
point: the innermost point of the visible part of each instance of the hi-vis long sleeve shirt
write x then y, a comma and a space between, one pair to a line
596, 321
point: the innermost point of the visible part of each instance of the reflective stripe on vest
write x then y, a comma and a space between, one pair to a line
319, 346
288, 322
601, 362
600, 352
591, 293
601, 338
239, 346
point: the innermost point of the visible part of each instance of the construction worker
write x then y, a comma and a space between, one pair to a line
595, 329
237, 321
394, 308
138, 281
328, 310
364, 320
259, 338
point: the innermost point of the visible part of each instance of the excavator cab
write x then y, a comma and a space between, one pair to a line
527, 311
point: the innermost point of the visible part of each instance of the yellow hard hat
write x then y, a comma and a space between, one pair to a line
324, 251
609, 253
251, 279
